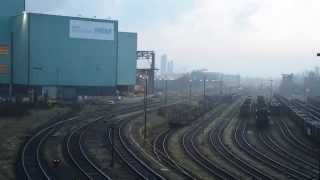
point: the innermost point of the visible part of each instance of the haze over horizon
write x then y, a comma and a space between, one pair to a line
263, 38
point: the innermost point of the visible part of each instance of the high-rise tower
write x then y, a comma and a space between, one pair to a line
163, 68
170, 67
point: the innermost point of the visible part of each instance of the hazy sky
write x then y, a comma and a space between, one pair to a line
251, 37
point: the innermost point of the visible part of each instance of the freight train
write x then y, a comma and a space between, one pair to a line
307, 121
275, 107
246, 109
184, 114
262, 113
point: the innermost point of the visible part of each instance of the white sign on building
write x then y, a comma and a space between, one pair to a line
91, 30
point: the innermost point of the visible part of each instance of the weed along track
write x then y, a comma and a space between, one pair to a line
213, 139
217, 143
161, 152
206, 98
190, 145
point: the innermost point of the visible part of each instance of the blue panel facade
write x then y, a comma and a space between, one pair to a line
20, 48
53, 58
127, 59
8, 8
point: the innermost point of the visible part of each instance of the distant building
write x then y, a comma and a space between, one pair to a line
163, 66
170, 67
38, 55
287, 85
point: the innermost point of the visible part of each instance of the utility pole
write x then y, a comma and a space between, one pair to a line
190, 86
271, 90
145, 108
112, 143
221, 86
166, 92
318, 150
204, 87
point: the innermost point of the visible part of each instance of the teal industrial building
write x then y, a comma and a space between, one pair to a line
84, 55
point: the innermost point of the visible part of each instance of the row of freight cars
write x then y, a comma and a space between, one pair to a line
262, 112
306, 120
184, 114
259, 109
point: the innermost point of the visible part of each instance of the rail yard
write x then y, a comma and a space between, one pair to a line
82, 99
222, 139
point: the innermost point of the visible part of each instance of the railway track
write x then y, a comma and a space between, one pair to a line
77, 152
127, 151
160, 146
299, 164
295, 141
79, 156
191, 148
289, 137
255, 153
217, 144
288, 134
129, 154
307, 107
288, 161
32, 164
34, 167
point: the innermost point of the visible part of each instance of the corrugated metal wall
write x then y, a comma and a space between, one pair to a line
20, 46
8, 8
127, 59
57, 59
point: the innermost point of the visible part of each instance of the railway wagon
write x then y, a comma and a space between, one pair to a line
210, 102
246, 108
262, 113
182, 115
275, 107
309, 123
312, 129
229, 98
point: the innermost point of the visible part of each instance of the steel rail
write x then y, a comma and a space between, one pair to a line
257, 154
216, 143
189, 145
30, 157
160, 150
297, 169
